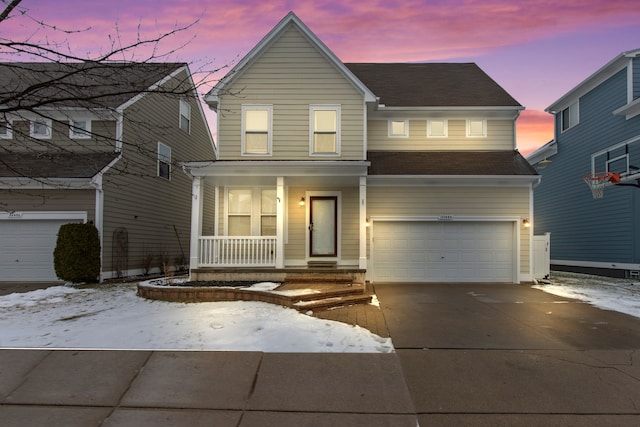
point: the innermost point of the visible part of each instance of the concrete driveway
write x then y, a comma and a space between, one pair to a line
503, 354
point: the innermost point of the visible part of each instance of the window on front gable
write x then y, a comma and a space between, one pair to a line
256, 129
570, 116
476, 128
80, 129
325, 129
6, 132
164, 161
398, 128
185, 116
40, 128
437, 128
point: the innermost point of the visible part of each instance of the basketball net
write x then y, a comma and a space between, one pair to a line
598, 180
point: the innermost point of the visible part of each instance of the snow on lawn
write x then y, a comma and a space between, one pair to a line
621, 295
112, 316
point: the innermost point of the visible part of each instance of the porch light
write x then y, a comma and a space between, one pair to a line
366, 223
526, 223
302, 202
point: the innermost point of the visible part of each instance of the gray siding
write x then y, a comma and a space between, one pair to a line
155, 212
49, 201
636, 77
584, 229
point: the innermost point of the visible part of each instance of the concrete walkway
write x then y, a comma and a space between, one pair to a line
488, 355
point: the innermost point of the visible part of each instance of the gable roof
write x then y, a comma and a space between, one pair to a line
432, 85
96, 85
448, 163
290, 20
53, 165
595, 79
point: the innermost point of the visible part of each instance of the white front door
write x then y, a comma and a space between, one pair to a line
323, 226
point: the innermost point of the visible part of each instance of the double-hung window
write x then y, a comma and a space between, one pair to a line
325, 129
164, 161
251, 211
6, 132
398, 128
185, 116
40, 128
570, 116
256, 129
476, 128
80, 129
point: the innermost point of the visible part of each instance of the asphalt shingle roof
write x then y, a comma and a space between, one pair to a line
88, 85
432, 85
53, 165
448, 163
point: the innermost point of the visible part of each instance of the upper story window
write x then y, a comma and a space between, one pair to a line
570, 116
325, 129
256, 129
164, 161
80, 129
6, 132
398, 128
476, 128
40, 128
437, 128
185, 116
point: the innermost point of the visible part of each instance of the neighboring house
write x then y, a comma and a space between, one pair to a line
408, 172
597, 129
103, 152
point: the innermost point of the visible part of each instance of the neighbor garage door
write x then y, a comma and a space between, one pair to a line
443, 251
26, 249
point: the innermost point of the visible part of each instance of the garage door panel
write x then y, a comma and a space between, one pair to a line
437, 251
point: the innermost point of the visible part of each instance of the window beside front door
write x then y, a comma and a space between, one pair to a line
325, 129
251, 211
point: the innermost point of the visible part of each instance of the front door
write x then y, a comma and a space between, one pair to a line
323, 226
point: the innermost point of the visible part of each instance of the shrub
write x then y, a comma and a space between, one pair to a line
76, 257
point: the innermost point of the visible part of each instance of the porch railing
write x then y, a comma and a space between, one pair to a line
232, 251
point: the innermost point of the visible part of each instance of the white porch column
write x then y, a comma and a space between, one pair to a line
362, 263
196, 220
280, 222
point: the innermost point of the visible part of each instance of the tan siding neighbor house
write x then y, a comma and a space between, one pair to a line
371, 167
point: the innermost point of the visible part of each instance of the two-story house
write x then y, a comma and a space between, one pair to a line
403, 172
97, 142
597, 131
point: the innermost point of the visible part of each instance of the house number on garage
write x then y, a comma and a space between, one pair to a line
15, 214
445, 218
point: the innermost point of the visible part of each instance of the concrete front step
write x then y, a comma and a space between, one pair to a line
330, 293
325, 303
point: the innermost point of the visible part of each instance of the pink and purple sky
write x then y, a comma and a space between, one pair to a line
537, 49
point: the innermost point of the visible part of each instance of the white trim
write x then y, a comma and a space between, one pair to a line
577, 115
43, 215
515, 220
445, 123
196, 221
275, 168
79, 133
611, 148
153, 87
594, 80
184, 110
257, 107
390, 133
629, 110
484, 128
255, 215
322, 107
596, 264
307, 208
290, 20
49, 126
9, 127
47, 183
452, 180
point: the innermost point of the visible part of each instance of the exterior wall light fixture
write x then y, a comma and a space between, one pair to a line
526, 223
302, 201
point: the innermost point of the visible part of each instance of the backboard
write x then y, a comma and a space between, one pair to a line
622, 158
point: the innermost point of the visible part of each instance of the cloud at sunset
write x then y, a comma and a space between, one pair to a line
536, 49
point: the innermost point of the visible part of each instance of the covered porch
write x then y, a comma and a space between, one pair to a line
273, 220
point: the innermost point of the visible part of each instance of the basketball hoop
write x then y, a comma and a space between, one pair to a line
598, 180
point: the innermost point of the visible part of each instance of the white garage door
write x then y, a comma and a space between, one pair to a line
26, 249
443, 252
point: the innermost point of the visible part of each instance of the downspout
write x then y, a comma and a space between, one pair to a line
96, 182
